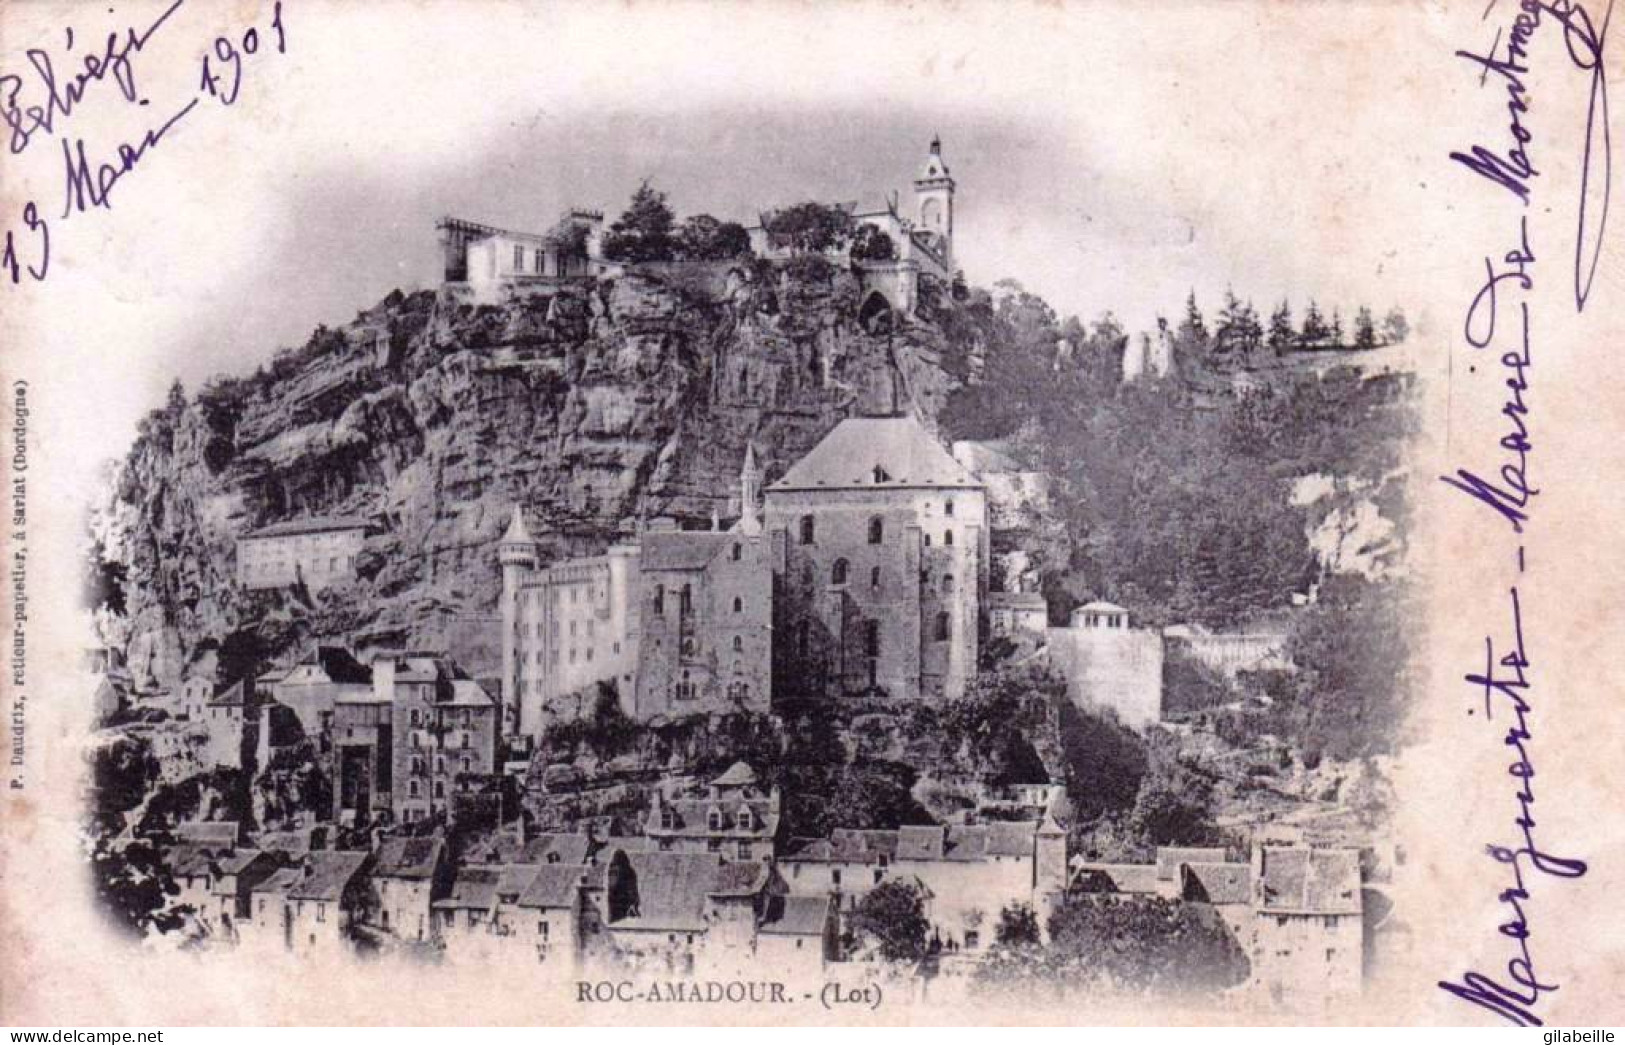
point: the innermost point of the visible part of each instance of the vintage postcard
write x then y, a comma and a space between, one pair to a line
789, 513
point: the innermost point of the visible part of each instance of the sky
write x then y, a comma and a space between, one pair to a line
1104, 162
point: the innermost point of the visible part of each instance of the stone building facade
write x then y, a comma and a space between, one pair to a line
679, 620
444, 734
317, 552
735, 815
565, 628
489, 262
883, 548
706, 623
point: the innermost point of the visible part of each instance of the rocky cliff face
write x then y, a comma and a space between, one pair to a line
594, 407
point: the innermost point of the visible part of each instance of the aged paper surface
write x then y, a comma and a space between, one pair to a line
678, 512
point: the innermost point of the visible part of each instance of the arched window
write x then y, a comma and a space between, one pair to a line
874, 576
806, 529
660, 599
947, 538
743, 820
877, 530
739, 604
947, 584
837, 573
739, 644
944, 626
948, 506
413, 788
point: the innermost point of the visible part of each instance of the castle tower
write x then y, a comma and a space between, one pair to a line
750, 494
1049, 865
517, 553
934, 201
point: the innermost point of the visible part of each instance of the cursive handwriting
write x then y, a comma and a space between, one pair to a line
112, 59
1509, 497
90, 175
82, 185
1585, 46
1505, 680
1510, 167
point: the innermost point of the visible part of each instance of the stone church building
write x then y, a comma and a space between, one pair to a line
885, 552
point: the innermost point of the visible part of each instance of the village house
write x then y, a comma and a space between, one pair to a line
968, 873
408, 875
311, 909
444, 736
317, 552
311, 688
1308, 917
515, 913
1019, 616
683, 912
884, 563
734, 816
231, 718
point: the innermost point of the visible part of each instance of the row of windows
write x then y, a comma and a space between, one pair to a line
877, 529
466, 764
418, 717
461, 738
332, 564
686, 689
519, 260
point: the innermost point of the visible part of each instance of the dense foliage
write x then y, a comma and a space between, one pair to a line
893, 915
1146, 946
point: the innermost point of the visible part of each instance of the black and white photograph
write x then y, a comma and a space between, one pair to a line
794, 514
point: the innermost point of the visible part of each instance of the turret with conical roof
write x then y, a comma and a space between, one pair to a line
517, 553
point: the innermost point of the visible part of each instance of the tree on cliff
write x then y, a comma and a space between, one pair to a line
1395, 327
809, 228
1282, 335
871, 243
1174, 805
644, 231
893, 915
1365, 330
704, 238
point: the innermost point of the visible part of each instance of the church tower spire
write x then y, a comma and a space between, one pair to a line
934, 201
750, 493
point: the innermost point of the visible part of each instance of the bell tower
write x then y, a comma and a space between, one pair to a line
934, 201
750, 493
